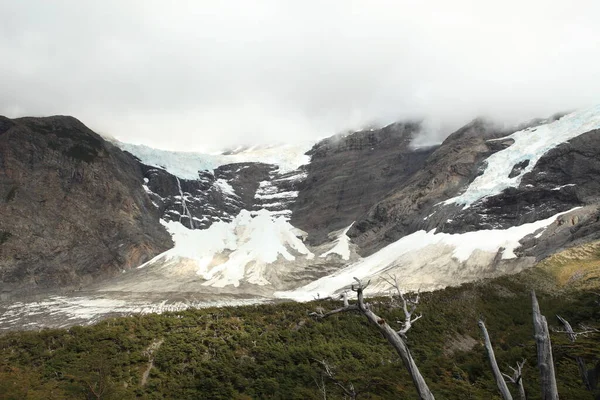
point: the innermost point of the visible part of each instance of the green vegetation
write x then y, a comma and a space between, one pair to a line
271, 351
4, 236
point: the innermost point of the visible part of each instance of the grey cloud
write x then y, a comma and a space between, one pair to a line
204, 74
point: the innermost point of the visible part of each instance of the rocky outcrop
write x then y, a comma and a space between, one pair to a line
221, 194
407, 206
217, 195
348, 174
72, 206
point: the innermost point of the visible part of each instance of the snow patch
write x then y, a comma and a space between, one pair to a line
281, 195
563, 186
342, 246
62, 311
226, 188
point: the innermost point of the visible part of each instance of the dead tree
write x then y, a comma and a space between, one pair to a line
321, 386
544, 352
572, 335
409, 306
395, 338
328, 371
502, 386
517, 379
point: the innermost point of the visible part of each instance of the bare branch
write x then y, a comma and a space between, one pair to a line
347, 307
569, 330
359, 285
409, 305
571, 334
517, 378
344, 298
351, 307
329, 373
321, 387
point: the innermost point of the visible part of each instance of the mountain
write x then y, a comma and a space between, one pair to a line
135, 229
73, 209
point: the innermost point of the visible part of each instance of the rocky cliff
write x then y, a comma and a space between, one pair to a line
349, 174
73, 209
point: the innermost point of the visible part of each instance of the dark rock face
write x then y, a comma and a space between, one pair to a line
221, 194
565, 177
348, 175
199, 203
72, 206
417, 203
518, 168
407, 207
578, 227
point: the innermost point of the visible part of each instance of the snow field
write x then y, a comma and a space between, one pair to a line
464, 246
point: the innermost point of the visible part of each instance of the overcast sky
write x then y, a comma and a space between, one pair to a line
202, 75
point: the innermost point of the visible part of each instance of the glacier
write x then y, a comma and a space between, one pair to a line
529, 144
186, 165
250, 243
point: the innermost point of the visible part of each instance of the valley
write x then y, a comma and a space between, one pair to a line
271, 224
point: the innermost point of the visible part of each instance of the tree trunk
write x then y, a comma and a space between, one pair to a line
544, 352
584, 373
502, 386
400, 346
522, 394
393, 337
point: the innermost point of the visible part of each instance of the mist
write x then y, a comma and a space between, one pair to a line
206, 75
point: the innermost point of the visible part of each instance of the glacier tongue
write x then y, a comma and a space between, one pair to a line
529, 145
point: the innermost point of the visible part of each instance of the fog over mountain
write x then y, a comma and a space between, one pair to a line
204, 75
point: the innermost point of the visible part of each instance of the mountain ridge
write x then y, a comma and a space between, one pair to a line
369, 192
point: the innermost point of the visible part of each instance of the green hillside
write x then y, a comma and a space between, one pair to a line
272, 351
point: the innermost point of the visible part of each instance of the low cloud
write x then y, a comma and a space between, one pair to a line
200, 75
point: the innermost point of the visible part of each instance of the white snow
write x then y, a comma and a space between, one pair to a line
250, 243
464, 245
529, 144
185, 210
186, 165
299, 175
62, 311
268, 191
563, 186
265, 188
281, 195
342, 246
225, 187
